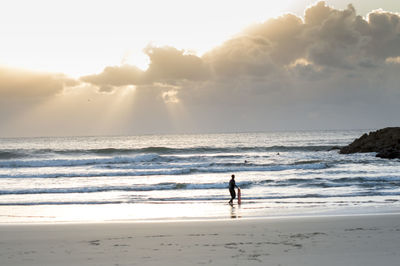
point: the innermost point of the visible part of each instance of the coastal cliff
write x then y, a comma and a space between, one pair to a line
385, 142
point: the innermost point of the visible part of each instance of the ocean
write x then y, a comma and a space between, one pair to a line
163, 177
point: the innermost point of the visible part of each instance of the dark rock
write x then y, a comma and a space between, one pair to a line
389, 154
385, 142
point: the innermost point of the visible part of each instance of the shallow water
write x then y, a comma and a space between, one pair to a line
186, 176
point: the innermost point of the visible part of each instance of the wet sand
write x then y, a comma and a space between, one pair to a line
333, 240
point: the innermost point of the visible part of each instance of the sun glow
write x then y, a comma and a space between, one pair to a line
193, 66
82, 37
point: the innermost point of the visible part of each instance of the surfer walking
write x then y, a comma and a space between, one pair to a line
232, 186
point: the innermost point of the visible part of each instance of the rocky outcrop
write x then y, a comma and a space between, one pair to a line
385, 142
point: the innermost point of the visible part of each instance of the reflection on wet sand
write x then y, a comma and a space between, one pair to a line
235, 211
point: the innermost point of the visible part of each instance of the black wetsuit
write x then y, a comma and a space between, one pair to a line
232, 185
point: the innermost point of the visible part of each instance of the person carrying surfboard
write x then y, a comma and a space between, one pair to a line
232, 186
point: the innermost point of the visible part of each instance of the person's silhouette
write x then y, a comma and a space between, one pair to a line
232, 185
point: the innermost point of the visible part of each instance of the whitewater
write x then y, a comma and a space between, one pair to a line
186, 177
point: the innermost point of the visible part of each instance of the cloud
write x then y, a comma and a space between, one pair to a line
329, 69
287, 72
384, 34
393, 60
116, 76
325, 38
22, 93
284, 35
244, 55
333, 62
167, 65
16, 83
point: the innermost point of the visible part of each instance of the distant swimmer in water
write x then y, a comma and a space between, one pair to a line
232, 186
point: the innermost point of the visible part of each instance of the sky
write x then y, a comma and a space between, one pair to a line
153, 67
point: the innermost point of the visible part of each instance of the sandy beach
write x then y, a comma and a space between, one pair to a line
332, 240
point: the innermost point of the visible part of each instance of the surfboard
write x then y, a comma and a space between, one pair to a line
239, 196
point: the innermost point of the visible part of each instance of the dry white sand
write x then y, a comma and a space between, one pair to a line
323, 241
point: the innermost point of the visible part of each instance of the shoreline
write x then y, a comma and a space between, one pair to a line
330, 240
49, 214
203, 219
